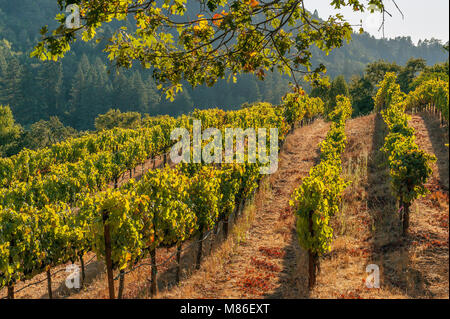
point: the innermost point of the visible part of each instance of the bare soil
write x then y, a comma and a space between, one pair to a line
369, 229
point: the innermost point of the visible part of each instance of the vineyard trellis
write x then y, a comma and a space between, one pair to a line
59, 216
318, 197
409, 166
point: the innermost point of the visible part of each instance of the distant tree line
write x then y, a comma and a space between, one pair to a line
47, 102
82, 86
362, 89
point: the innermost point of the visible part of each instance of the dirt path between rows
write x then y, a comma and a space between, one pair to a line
368, 231
432, 137
263, 264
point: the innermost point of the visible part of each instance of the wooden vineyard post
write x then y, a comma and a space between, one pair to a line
241, 207
405, 217
227, 218
212, 238
312, 257
109, 269
10, 291
83, 272
49, 284
178, 272
200, 249
121, 284
154, 285
225, 226
10, 284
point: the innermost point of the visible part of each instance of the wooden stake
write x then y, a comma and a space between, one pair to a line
241, 206
225, 227
10, 291
121, 284
10, 285
49, 284
311, 269
108, 255
216, 226
405, 219
200, 249
178, 273
154, 286
312, 257
83, 272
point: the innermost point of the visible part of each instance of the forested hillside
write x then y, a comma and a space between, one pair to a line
84, 85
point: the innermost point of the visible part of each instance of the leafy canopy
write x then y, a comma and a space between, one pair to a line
224, 38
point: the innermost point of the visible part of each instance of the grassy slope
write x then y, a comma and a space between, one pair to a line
368, 230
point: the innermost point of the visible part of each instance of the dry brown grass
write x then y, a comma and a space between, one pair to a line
263, 263
368, 230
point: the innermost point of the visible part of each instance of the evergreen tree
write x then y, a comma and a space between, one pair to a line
338, 87
409, 72
50, 85
181, 105
81, 113
11, 84
9, 132
361, 91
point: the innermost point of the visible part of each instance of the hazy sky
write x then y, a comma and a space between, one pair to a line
424, 19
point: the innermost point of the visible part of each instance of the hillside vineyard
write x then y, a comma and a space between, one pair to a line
56, 220
214, 149
57, 203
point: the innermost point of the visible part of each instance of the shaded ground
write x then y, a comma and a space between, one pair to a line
368, 231
262, 264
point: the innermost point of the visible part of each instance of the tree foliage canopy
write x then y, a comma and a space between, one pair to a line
9, 130
225, 38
